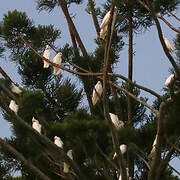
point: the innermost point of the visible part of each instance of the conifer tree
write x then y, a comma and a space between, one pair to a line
56, 101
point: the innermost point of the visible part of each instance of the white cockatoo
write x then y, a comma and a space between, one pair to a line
58, 141
105, 22
103, 32
168, 45
66, 166
153, 147
36, 125
169, 80
13, 106
47, 55
57, 59
97, 89
123, 149
117, 123
15, 89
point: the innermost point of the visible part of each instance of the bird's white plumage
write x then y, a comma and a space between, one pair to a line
169, 80
13, 106
123, 149
103, 32
168, 45
36, 125
66, 166
105, 20
153, 148
57, 59
97, 89
47, 55
117, 123
58, 141
15, 89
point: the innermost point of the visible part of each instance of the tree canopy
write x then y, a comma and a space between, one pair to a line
96, 131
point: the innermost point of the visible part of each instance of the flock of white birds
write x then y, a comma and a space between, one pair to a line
97, 92
57, 59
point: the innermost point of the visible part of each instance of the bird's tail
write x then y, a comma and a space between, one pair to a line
56, 71
46, 64
66, 168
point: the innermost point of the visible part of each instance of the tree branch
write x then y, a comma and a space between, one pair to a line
176, 68
168, 24
5, 75
134, 97
137, 85
174, 169
160, 17
20, 157
63, 5
96, 24
174, 16
56, 65
57, 152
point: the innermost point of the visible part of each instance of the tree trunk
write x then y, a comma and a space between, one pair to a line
130, 76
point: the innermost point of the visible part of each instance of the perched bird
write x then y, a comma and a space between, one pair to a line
169, 80
36, 125
66, 166
13, 106
153, 148
123, 149
117, 123
57, 59
168, 45
15, 89
58, 141
105, 22
103, 32
47, 55
104, 25
97, 89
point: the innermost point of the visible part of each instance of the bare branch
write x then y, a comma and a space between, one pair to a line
174, 169
96, 24
176, 68
160, 17
137, 85
174, 16
20, 157
134, 97
63, 5
56, 65
5, 75
168, 24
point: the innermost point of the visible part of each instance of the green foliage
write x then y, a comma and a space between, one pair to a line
56, 101
49, 5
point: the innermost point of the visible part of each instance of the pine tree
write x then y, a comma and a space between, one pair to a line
56, 102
